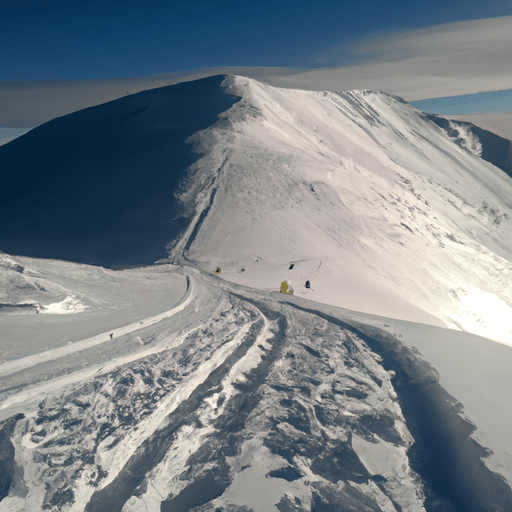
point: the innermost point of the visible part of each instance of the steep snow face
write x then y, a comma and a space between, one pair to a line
371, 201
463, 136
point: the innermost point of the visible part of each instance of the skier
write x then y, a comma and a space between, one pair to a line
308, 284
111, 335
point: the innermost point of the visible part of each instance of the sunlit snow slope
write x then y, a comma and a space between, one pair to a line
370, 200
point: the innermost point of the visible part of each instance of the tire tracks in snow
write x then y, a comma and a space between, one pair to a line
179, 409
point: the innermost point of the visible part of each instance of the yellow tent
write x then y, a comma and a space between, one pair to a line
285, 289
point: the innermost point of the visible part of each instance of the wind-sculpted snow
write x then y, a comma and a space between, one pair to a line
483, 143
235, 385
262, 405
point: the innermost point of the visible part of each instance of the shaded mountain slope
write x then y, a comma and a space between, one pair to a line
98, 185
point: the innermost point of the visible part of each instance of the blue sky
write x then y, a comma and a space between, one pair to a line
480, 103
77, 39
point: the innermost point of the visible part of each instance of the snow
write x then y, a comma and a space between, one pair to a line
468, 139
115, 461
190, 438
382, 458
49, 355
395, 226
252, 488
66, 306
474, 370
485, 314
110, 299
385, 215
498, 123
397, 216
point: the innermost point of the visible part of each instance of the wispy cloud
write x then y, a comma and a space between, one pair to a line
449, 59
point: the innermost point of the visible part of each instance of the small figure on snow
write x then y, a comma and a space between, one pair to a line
308, 284
217, 270
111, 335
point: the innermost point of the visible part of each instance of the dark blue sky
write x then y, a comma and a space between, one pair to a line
75, 39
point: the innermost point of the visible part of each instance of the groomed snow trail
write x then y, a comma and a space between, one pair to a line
27, 362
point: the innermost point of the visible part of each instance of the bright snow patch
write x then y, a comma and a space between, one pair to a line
64, 307
484, 314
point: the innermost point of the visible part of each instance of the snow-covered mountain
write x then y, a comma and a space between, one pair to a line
195, 384
372, 202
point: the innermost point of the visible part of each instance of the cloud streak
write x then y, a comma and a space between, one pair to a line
443, 60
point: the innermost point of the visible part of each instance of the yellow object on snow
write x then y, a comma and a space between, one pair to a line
285, 289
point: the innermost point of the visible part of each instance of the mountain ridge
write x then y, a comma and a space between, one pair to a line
377, 144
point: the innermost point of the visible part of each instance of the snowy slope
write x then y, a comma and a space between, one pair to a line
375, 204
246, 400
224, 400
217, 392
46, 304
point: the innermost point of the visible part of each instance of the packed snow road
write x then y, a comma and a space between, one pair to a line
26, 382
28, 362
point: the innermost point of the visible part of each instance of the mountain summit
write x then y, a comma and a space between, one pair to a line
366, 196
96, 186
